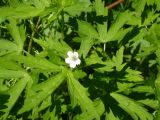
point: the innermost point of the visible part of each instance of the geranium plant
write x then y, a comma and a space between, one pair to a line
79, 60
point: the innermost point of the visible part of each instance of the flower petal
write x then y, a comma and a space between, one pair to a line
72, 65
78, 61
70, 53
75, 54
68, 60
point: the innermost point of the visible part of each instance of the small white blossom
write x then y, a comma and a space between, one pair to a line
72, 59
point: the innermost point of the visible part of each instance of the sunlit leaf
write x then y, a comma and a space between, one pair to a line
44, 89
134, 109
79, 96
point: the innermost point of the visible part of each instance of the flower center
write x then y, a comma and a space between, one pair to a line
74, 58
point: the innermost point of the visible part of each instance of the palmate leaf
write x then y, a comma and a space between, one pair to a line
40, 92
79, 97
117, 25
15, 91
133, 108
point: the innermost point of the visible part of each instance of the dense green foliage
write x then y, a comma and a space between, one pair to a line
119, 49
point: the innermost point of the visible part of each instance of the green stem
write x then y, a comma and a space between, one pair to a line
32, 35
104, 47
62, 25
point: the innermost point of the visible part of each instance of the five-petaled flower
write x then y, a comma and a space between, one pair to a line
72, 59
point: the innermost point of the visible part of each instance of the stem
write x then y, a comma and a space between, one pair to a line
32, 35
62, 25
115, 4
104, 47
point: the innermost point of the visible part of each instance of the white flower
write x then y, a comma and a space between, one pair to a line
72, 59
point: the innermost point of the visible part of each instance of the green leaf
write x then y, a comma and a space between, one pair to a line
134, 20
37, 63
78, 8
108, 67
93, 59
78, 74
7, 46
140, 6
124, 87
6, 62
117, 25
151, 16
144, 89
79, 96
153, 35
98, 104
102, 31
8, 74
50, 115
15, 93
86, 44
158, 4
100, 8
134, 109
122, 33
46, 103
42, 43
133, 76
21, 11
65, 3
118, 59
41, 91
150, 102
59, 47
86, 29
15, 33
111, 116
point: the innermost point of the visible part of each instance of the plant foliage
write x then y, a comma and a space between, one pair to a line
119, 49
